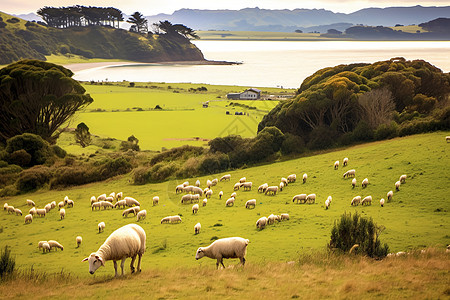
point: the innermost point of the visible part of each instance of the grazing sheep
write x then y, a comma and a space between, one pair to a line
78, 239
447, 138
330, 199
382, 202
197, 228
402, 179
284, 180
281, 186
233, 247
195, 198
311, 198
131, 201
197, 183
350, 173
30, 202
305, 176
197, 190
18, 212
186, 198
5, 206
353, 183
101, 227
119, 196
62, 213
284, 217
299, 198
367, 200
262, 188
220, 195
214, 182
10, 209
250, 203
208, 183
247, 186
242, 180
233, 195
195, 208
345, 161
230, 202
292, 178
261, 223
28, 218
48, 207
32, 211
179, 188
155, 200
41, 244
93, 199
66, 198
133, 210
204, 202
236, 187
327, 204
61, 204
397, 186
186, 183
106, 204
208, 194
69, 203
95, 205
120, 204
55, 244
52, 204
365, 182
45, 247
141, 215
102, 197
41, 212
113, 195
390, 194
127, 241
225, 177
109, 199
271, 219
355, 201
171, 219
336, 165
271, 190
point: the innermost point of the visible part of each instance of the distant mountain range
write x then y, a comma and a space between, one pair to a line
308, 20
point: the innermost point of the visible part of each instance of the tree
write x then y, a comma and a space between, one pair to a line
139, 22
82, 135
37, 97
377, 106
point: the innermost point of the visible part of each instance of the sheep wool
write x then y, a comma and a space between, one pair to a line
78, 239
141, 215
62, 213
101, 227
197, 228
28, 219
232, 247
55, 244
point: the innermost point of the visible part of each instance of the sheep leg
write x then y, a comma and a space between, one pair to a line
132, 264
122, 264
243, 261
139, 262
115, 267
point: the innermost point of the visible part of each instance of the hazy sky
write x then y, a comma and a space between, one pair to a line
152, 7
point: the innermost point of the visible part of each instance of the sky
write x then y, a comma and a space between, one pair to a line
153, 7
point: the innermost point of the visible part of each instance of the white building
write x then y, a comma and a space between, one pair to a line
249, 94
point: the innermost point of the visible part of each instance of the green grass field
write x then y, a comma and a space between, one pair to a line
417, 217
261, 35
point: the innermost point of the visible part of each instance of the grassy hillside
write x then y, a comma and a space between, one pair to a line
261, 35
417, 217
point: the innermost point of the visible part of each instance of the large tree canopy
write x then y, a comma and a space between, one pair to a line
37, 97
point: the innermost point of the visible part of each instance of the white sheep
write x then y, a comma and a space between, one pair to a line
186, 198
101, 227
311, 198
61, 204
198, 191
197, 183
48, 207
355, 201
28, 218
284, 180
120, 204
208, 194
141, 215
18, 212
447, 138
225, 177
214, 182
397, 186
45, 247
402, 179
127, 241
95, 205
220, 195
273, 189
195, 198
247, 186
230, 202
70, 203
345, 161
261, 223
93, 199
262, 188
367, 200
208, 183
305, 176
237, 186
242, 180
197, 228
271, 219
155, 200
119, 196
55, 244
41, 212
10, 209
327, 204
365, 182
250, 203
205, 190
353, 183
109, 199
30, 202
233, 247
281, 186
292, 178
390, 194
382, 202
195, 208
62, 213
330, 199
233, 195
102, 197
204, 202
179, 188
5, 206
284, 217
113, 195
53, 204
78, 239
32, 211
350, 173
171, 219
106, 204
41, 244
299, 198
134, 210
131, 202
336, 165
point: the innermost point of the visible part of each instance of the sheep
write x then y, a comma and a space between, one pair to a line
195, 198
208, 194
327, 204
186, 183
45, 247
247, 186
214, 182
311, 198
127, 241
330, 199
271, 190
197, 228
225, 177
141, 215
284, 217
95, 205
365, 182
390, 194
355, 201
353, 183
271, 219
30, 202
204, 202
250, 203
402, 179
284, 180
10, 209
233, 247
230, 202
113, 195
61, 204
179, 188
197, 190
261, 223
119, 196
186, 198
292, 178
171, 219
131, 201
155, 200
41, 212
55, 244
28, 218
281, 186
397, 186
62, 213
48, 207
300, 197
106, 204
133, 210
66, 198
101, 227
109, 199
336, 165
345, 161
197, 183
208, 183
382, 202
195, 208
120, 204
78, 239
242, 180
233, 195
447, 138
32, 211
236, 187
41, 244
18, 212
262, 188
367, 200
305, 176
5, 206
101, 197
220, 195
350, 173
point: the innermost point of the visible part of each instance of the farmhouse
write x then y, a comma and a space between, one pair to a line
249, 94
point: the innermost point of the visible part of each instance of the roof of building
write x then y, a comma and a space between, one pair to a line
254, 90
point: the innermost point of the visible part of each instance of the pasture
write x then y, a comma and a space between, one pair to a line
417, 217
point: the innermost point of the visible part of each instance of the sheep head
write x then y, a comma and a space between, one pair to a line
199, 253
95, 262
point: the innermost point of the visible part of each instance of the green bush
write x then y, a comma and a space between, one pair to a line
321, 137
9, 191
114, 167
32, 144
33, 178
226, 144
68, 176
20, 157
162, 171
362, 132
349, 231
141, 176
386, 131
7, 263
60, 152
214, 163
292, 144
183, 153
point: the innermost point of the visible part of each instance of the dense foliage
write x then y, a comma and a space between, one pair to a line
343, 104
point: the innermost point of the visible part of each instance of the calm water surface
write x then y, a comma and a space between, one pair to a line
271, 63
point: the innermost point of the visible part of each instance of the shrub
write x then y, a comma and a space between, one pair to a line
226, 144
321, 137
114, 167
214, 163
292, 144
162, 171
362, 132
349, 231
7, 263
32, 144
141, 175
68, 176
386, 131
20, 157
13, 20
9, 191
60, 152
33, 178
183, 152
